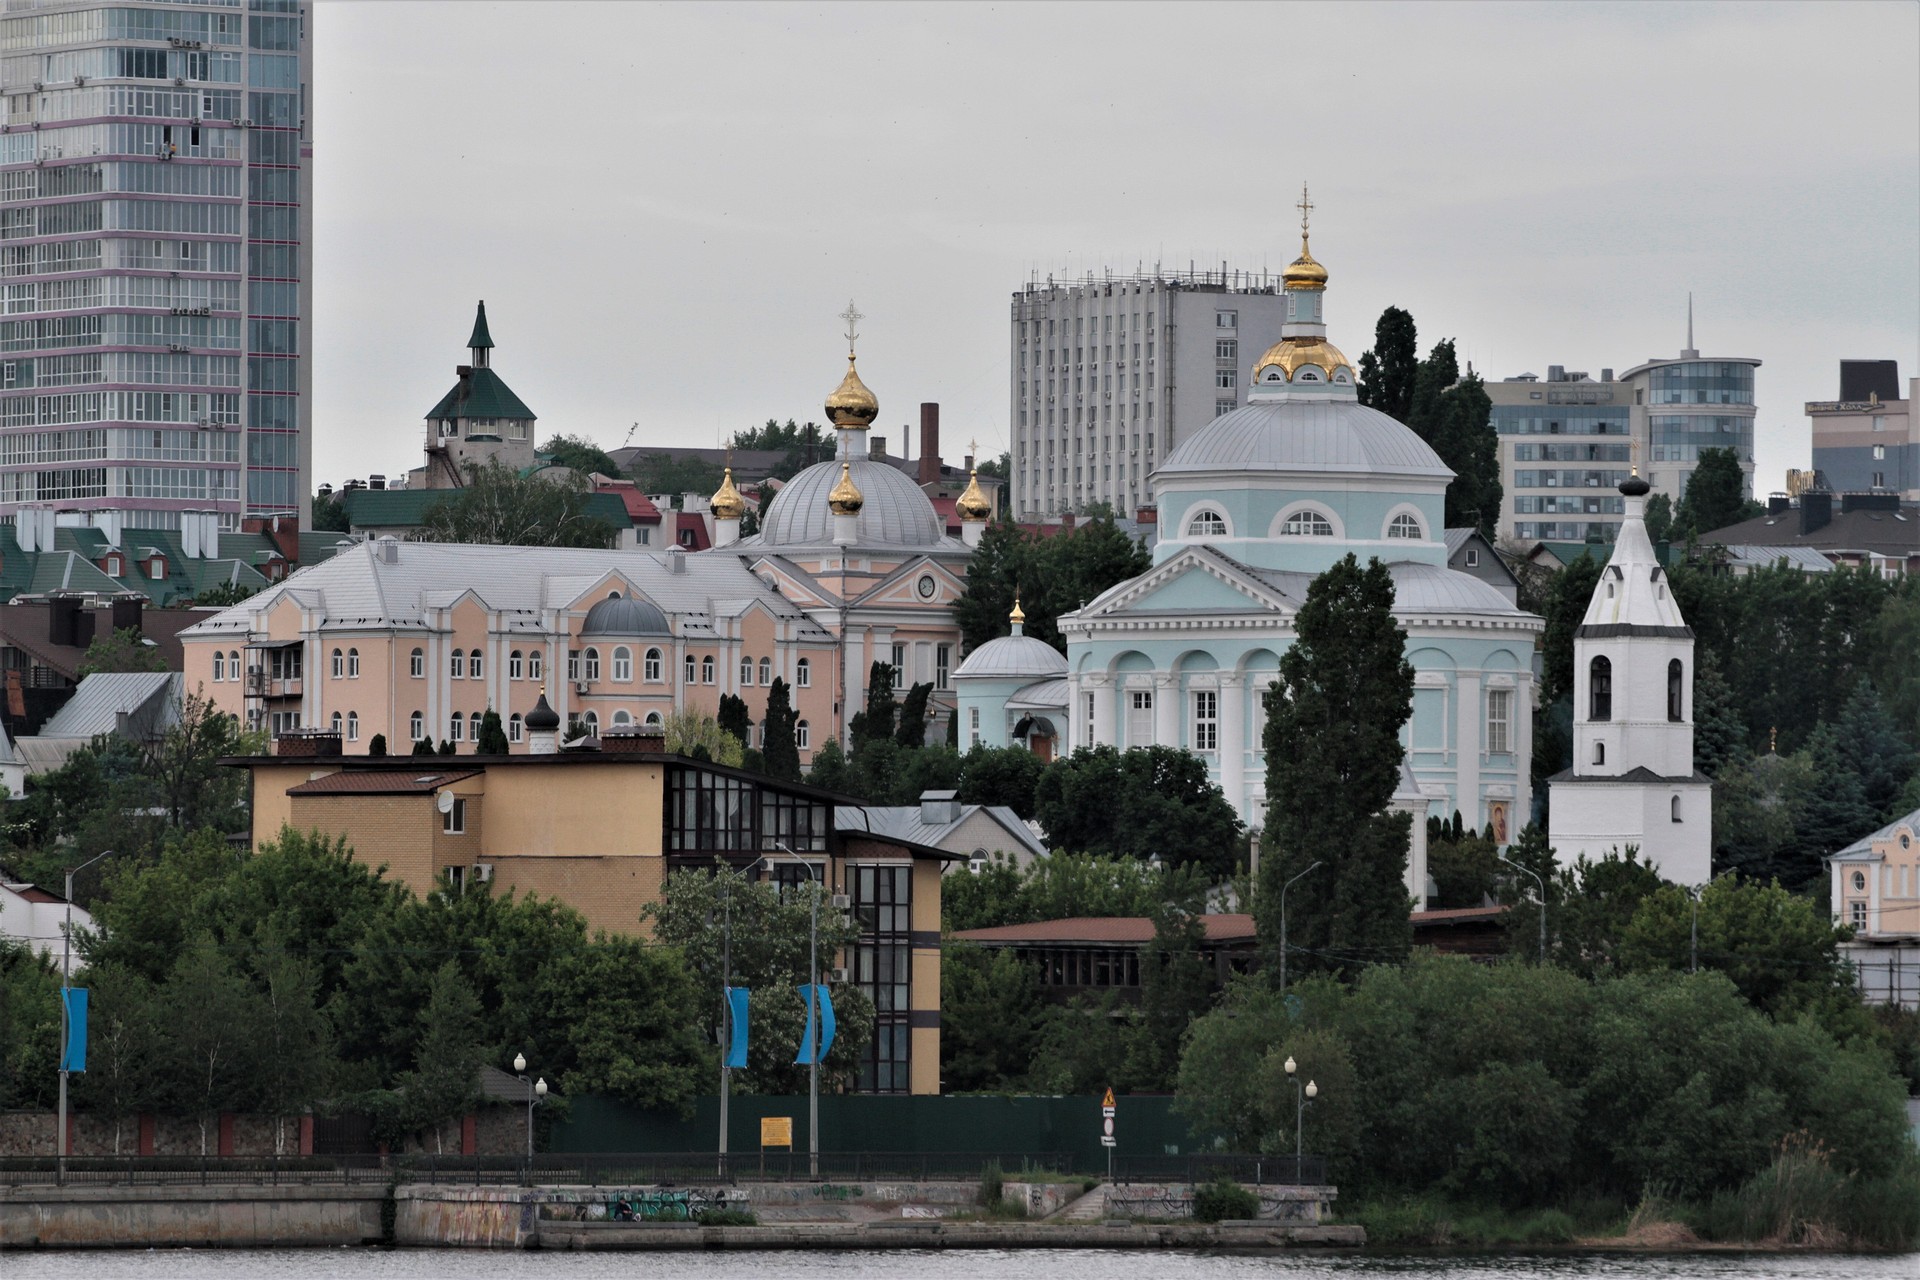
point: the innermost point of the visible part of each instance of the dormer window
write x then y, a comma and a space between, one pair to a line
1307, 524
115, 565
1207, 523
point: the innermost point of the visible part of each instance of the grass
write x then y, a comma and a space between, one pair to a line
1429, 1221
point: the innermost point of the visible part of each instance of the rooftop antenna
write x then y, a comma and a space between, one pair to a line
1690, 352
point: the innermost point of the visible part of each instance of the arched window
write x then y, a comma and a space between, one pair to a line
417, 665
219, 665
516, 665
622, 665
706, 669
622, 717
416, 725
766, 671
803, 673
353, 726
339, 664
653, 720
654, 667
1207, 523
456, 728
746, 672
1600, 689
536, 664
692, 668
233, 664
336, 722
516, 727
803, 735
1676, 808
592, 664
457, 665
592, 722
1676, 697
353, 664
473, 725
1405, 526
1306, 524
1599, 753
473, 665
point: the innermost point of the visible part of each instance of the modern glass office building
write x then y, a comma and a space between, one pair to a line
155, 259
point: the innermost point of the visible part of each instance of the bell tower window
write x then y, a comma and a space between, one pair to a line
1600, 689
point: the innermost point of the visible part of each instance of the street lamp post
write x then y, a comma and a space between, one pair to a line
1283, 927
1301, 1097
813, 1016
1543, 902
536, 1091
66, 967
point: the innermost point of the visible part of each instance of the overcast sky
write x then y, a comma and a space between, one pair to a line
665, 207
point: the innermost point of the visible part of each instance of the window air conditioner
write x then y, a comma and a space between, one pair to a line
837, 976
841, 901
580, 686
482, 872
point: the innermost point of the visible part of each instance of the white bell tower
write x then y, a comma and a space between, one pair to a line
1633, 780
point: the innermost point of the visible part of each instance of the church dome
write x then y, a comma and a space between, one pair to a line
893, 513
851, 404
727, 503
1305, 436
1013, 658
620, 615
1304, 272
1290, 354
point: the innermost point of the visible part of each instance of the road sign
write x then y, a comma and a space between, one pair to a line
1106, 1119
1106, 1103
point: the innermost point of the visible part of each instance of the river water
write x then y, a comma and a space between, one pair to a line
912, 1264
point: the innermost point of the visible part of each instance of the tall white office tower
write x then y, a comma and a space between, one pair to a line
156, 260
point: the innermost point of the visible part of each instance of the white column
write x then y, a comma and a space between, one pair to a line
1469, 719
852, 677
1523, 756
1166, 709
1233, 751
1102, 690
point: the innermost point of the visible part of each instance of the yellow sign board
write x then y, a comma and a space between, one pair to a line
776, 1131
1108, 1100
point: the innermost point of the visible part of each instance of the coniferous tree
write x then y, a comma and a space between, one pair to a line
778, 743
830, 770
1719, 735
424, 747
734, 717
876, 723
1567, 601
1716, 494
445, 1080
1659, 519
492, 740
1873, 751
1387, 372
912, 732
1333, 761
377, 746
1466, 441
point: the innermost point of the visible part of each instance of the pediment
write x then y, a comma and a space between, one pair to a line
793, 582
902, 587
1195, 581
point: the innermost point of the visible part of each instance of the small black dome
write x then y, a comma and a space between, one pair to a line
543, 718
1635, 487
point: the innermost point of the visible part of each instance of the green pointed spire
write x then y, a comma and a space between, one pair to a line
481, 338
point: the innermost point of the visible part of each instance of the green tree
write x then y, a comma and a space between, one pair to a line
445, 1081
1085, 1046
492, 739
1050, 576
995, 573
1716, 495
876, 722
804, 446
1001, 776
377, 745
122, 650
1894, 637
1467, 870
581, 456
830, 770
778, 734
498, 506
29, 1026
1659, 518
1836, 811
1389, 369
698, 736
225, 594
1719, 736
1333, 762
197, 790
329, 514
1872, 749
990, 1018
1175, 988
1780, 951
664, 473
1139, 802
1567, 601
912, 732
125, 1048
1759, 804
734, 717
633, 1023
1465, 440
294, 1057
213, 1020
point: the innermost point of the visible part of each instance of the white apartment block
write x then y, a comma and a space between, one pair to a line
1109, 375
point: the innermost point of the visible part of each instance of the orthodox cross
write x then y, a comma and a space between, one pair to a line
1305, 207
852, 316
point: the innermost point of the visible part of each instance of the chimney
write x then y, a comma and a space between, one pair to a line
1816, 510
127, 612
63, 620
1606, 375
676, 559
877, 448
190, 534
938, 807
929, 472
210, 534
1146, 515
24, 528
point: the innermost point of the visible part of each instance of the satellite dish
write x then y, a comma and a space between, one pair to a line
444, 802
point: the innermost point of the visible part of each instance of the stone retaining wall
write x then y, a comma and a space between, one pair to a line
194, 1217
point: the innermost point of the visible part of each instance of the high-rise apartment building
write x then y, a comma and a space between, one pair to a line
155, 259
1568, 442
1869, 439
1110, 375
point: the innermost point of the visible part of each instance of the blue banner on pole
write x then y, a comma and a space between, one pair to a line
74, 1056
737, 1016
807, 1054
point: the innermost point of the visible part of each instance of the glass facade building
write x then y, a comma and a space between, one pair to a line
155, 258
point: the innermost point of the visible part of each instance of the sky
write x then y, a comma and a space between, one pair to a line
666, 207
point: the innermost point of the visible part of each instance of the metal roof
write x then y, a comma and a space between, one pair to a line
150, 700
895, 512
903, 822
481, 394
1865, 843
1012, 658
389, 783
1306, 436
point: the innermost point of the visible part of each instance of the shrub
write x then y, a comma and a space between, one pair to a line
725, 1218
1224, 1198
992, 1182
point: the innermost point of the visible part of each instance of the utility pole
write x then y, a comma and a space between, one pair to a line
1543, 902
1283, 927
813, 1016
66, 1032
726, 1020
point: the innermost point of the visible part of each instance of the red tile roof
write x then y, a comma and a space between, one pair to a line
1457, 915
1126, 930
33, 893
383, 783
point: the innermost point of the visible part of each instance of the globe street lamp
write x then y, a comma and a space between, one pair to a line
1301, 1097
536, 1092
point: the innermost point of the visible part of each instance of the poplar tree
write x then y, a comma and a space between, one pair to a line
780, 751
1333, 762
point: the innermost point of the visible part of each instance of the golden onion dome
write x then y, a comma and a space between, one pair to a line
1303, 272
846, 499
851, 405
973, 505
1293, 353
727, 502
1019, 616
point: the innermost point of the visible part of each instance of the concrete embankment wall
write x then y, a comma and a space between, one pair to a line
137, 1217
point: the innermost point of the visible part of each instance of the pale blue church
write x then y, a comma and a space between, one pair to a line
1251, 508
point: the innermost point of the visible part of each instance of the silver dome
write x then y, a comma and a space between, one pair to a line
1306, 435
619, 615
896, 513
1012, 658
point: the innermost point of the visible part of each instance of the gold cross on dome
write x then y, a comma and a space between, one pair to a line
852, 316
973, 448
1305, 207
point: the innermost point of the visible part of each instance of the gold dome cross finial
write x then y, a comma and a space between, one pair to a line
1305, 207
853, 317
